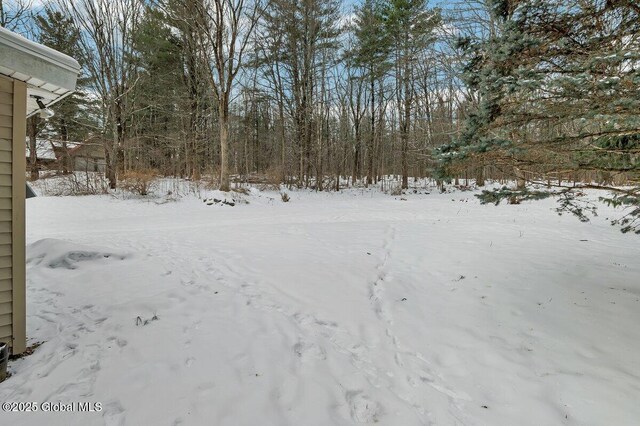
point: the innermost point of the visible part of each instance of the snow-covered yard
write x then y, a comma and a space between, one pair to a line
332, 309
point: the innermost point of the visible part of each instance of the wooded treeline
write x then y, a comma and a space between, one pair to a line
303, 92
319, 93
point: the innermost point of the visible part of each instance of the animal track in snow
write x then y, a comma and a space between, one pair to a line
362, 408
308, 351
376, 290
113, 413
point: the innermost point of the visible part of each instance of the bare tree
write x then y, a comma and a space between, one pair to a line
226, 27
410, 25
14, 13
106, 28
358, 101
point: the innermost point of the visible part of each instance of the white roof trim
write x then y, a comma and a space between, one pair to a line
47, 72
41, 51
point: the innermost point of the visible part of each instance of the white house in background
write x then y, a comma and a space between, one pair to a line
32, 77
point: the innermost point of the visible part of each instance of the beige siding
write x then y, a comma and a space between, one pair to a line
6, 110
5, 284
6, 157
13, 97
6, 261
5, 238
18, 196
6, 85
5, 274
5, 319
6, 98
6, 137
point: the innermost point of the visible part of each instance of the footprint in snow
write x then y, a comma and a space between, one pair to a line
362, 408
120, 342
113, 413
307, 351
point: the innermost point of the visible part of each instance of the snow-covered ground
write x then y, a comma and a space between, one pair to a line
332, 309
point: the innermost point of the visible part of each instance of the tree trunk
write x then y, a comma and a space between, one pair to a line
111, 149
110, 160
520, 180
223, 109
405, 163
33, 153
373, 132
480, 176
66, 158
356, 155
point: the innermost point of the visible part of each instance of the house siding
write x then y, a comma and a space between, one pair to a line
89, 164
6, 140
12, 195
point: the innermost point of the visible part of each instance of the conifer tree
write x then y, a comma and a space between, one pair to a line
72, 115
372, 53
559, 88
157, 98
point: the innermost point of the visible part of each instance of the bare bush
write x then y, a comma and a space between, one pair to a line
211, 178
140, 182
77, 183
274, 175
241, 190
395, 190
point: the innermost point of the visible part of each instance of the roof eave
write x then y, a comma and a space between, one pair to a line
48, 73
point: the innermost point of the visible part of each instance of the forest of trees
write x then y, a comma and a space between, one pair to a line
324, 93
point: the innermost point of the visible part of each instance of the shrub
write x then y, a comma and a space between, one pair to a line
77, 183
396, 190
241, 190
211, 178
141, 182
274, 175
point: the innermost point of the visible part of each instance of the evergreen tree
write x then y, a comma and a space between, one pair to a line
372, 54
158, 99
559, 88
176, 19
73, 114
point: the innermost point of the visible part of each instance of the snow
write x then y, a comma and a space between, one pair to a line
331, 309
44, 150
